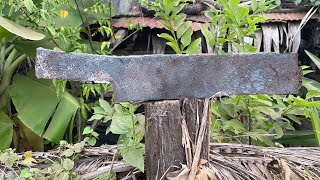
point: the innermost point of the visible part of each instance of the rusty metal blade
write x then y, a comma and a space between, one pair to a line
158, 77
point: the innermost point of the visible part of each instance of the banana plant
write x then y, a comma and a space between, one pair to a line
35, 101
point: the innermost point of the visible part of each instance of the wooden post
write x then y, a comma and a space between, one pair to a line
164, 134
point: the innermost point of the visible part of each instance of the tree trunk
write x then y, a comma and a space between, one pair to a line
163, 137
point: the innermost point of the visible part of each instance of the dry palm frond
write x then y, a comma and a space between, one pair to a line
227, 162
235, 161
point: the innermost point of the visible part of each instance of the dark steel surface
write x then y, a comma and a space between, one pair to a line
158, 77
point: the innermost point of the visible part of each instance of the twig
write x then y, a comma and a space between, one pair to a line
86, 24
31, 20
200, 139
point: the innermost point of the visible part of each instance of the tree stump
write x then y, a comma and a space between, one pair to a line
163, 137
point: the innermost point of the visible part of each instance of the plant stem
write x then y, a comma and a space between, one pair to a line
5, 81
87, 26
10, 59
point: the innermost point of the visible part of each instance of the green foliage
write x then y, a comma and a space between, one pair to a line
312, 96
40, 104
8, 157
129, 125
256, 116
62, 170
68, 150
232, 23
6, 130
92, 136
175, 22
19, 30
107, 176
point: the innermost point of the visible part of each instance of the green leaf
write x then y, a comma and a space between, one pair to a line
166, 36
25, 173
28, 4
121, 123
310, 84
78, 147
87, 130
186, 38
6, 130
28, 97
242, 12
106, 106
133, 156
67, 153
20, 30
314, 58
175, 47
183, 28
315, 120
179, 19
194, 47
235, 126
208, 35
68, 164
254, 5
279, 131
92, 141
29, 47
96, 117
5, 35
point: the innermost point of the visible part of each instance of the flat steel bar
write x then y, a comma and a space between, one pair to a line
159, 77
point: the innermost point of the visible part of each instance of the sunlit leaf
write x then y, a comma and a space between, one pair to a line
20, 30
133, 156
28, 97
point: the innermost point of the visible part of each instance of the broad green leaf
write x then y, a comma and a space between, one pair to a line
5, 35
6, 130
179, 19
208, 35
166, 36
234, 125
28, 97
28, 4
186, 38
67, 153
68, 164
310, 84
133, 156
106, 106
25, 173
279, 131
87, 130
177, 9
254, 5
168, 5
194, 47
20, 30
96, 117
298, 138
92, 141
183, 28
315, 120
242, 12
175, 47
29, 47
120, 123
166, 24
314, 58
